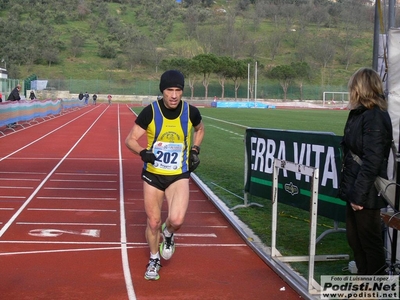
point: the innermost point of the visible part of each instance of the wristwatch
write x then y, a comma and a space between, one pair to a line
197, 148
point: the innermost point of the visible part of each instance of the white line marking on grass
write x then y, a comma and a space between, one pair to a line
229, 131
223, 121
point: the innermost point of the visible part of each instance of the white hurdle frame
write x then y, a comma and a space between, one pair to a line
313, 173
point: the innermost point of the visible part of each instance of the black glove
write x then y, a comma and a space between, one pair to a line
194, 160
147, 156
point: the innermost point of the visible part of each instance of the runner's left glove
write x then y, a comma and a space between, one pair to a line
194, 160
147, 156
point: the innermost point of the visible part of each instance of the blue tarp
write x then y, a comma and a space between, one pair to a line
240, 104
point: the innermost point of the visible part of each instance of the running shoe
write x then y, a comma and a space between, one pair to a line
152, 269
167, 247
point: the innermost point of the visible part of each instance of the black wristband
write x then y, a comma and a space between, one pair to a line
197, 148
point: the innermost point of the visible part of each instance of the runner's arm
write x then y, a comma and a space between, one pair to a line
132, 140
198, 134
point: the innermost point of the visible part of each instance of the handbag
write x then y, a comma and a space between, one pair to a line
386, 187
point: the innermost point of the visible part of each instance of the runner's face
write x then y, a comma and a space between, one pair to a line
171, 97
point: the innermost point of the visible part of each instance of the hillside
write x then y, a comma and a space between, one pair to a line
124, 41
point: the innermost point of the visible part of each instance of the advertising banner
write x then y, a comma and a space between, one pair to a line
315, 149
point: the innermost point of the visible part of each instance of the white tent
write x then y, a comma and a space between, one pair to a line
393, 88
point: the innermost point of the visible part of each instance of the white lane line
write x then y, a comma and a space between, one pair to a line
24, 173
76, 180
196, 226
80, 189
85, 174
20, 179
69, 243
16, 187
60, 250
212, 235
38, 188
6, 208
73, 209
188, 212
42, 137
61, 223
143, 245
77, 198
124, 249
12, 197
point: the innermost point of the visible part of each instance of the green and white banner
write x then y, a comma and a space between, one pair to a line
315, 149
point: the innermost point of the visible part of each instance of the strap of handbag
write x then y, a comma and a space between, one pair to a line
358, 160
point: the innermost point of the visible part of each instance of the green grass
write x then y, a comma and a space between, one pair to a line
222, 170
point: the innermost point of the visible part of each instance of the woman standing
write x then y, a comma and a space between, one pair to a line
368, 135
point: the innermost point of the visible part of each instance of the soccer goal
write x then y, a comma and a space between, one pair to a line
334, 97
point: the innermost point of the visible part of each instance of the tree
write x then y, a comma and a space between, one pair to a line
284, 74
237, 71
77, 43
222, 70
190, 68
208, 65
302, 72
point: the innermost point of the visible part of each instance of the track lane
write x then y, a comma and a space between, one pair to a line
93, 189
67, 160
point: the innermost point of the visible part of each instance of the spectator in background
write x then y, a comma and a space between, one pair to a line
86, 98
32, 95
94, 99
80, 97
14, 96
1, 97
109, 97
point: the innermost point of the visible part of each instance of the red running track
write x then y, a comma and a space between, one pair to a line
72, 222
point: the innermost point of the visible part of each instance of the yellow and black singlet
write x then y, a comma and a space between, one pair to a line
169, 139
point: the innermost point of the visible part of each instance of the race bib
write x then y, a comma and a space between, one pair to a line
168, 155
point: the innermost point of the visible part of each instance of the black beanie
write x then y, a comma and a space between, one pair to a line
172, 78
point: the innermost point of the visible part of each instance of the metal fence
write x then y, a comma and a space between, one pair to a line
265, 90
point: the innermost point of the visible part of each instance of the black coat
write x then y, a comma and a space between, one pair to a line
14, 95
368, 134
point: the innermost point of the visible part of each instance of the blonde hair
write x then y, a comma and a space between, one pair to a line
366, 88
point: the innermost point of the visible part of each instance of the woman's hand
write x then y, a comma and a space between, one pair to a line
356, 207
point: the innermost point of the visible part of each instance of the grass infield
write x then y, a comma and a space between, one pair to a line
222, 170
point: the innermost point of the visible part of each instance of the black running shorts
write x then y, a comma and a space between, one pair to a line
162, 182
